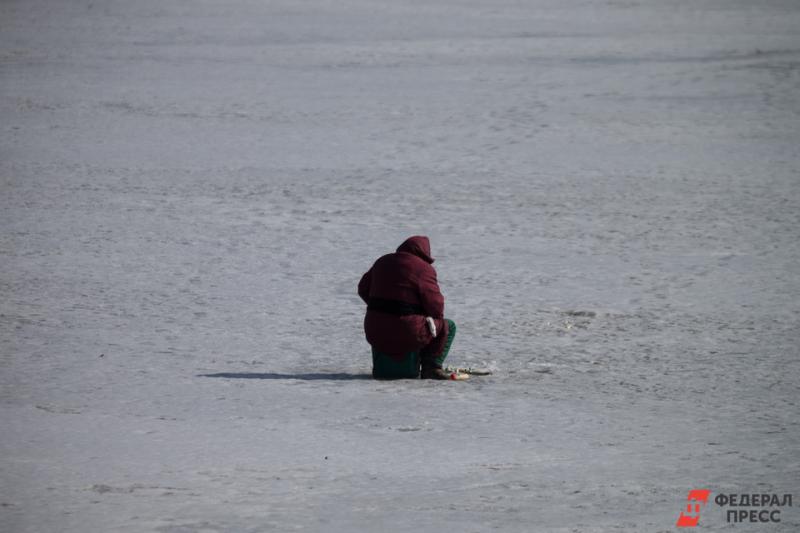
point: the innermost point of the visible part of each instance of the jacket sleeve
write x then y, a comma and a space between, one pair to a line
364, 285
429, 294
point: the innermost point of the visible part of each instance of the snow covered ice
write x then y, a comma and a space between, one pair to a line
191, 191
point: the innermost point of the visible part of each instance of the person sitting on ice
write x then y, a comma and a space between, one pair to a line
405, 322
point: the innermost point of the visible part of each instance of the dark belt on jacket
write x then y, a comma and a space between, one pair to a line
394, 307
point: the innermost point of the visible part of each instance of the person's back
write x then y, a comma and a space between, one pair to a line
405, 308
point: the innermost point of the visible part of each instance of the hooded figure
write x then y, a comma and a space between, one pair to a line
405, 309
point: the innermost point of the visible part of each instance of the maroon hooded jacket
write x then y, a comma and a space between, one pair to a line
401, 290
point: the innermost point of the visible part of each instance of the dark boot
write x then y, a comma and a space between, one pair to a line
434, 372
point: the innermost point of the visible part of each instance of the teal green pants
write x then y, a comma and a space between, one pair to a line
407, 366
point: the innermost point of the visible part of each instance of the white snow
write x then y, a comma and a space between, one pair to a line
191, 191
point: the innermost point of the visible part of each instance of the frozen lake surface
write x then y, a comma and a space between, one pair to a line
191, 191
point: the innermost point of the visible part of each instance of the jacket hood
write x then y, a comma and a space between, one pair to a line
418, 245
